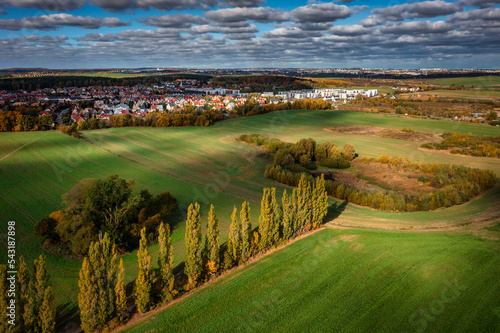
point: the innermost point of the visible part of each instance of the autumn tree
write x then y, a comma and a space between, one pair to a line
144, 279
193, 263
320, 201
287, 216
304, 204
166, 263
234, 242
87, 297
246, 230
120, 293
212, 247
275, 225
43, 296
265, 219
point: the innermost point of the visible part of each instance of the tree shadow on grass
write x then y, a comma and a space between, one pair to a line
335, 210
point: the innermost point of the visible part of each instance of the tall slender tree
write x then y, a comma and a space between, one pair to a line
47, 313
143, 281
246, 231
212, 247
43, 296
304, 204
193, 263
87, 297
287, 216
265, 220
234, 243
294, 213
120, 293
276, 219
166, 263
321, 201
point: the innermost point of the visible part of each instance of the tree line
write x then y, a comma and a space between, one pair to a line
468, 144
102, 298
34, 309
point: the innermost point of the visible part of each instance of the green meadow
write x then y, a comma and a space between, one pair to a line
206, 164
350, 281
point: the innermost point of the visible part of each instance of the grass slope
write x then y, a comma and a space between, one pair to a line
351, 281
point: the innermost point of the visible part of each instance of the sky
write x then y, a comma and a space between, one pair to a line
249, 34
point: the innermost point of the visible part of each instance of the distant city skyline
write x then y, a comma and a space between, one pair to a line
249, 34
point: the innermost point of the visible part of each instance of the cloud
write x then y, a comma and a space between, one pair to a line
417, 28
176, 20
243, 3
485, 14
372, 20
321, 12
54, 21
425, 9
164, 5
479, 3
350, 30
260, 14
50, 5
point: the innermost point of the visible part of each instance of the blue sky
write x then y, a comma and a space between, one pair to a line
249, 33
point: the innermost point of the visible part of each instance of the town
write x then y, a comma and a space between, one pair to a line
72, 104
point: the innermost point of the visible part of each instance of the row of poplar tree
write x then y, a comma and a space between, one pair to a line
34, 306
102, 296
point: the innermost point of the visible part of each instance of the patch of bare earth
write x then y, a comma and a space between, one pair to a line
388, 177
407, 135
347, 178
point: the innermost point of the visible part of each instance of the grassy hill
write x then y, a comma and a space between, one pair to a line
204, 165
350, 281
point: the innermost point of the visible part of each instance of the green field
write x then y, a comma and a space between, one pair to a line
351, 281
205, 165
486, 82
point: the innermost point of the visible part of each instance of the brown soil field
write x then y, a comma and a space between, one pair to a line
388, 133
378, 176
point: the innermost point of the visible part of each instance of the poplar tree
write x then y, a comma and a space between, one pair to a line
43, 297
47, 313
246, 230
120, 293
103, 262
234, 243
302, 199
321, 201
87, 297
294, 210
212, 247
143, 281
166, 263
193, 262
265, 220
287, 216
275, 224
